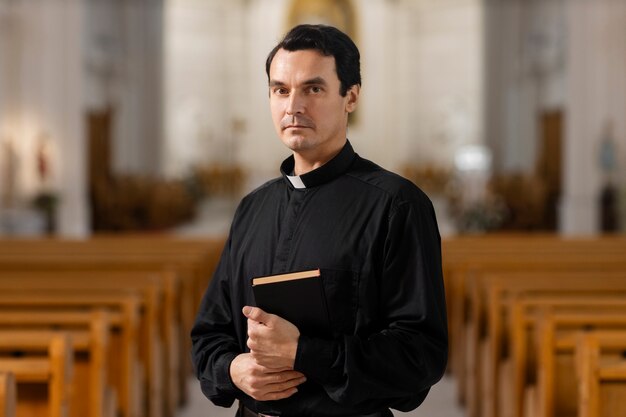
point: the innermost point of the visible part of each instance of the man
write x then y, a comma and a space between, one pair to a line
373, 235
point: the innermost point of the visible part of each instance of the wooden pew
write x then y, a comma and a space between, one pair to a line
192, 260
555, 378
153, 287
8, 396
202, 255
137, 338
524, 313
511, 251
46, 363
601, 367
195, 259
485, 324
465, 275
93, 392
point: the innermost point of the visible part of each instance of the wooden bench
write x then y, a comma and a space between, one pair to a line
136, 343
485, 324
192, 260
42, 371
511, 252
601, 367
201, 254
529, 262
524, 317
555, 384
8, 396
153, 287
95, 391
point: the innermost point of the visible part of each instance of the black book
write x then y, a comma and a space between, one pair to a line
297, 297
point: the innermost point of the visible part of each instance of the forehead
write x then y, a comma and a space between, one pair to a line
294, 66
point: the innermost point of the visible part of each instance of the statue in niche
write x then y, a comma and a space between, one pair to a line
46, 199
608, 203
9, 173
43, 160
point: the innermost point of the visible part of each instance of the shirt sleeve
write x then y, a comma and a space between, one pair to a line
214, 342
396, 366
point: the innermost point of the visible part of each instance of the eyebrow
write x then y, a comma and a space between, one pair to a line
316, 80
312, 81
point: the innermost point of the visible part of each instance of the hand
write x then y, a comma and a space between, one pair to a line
273, 341
261, 383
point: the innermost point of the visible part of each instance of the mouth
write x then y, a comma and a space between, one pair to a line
296, 127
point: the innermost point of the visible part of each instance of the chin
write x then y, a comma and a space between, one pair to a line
298, 143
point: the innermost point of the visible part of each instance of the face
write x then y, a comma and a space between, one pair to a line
309, 114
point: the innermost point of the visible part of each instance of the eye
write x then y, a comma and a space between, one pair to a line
281, 91
315, 89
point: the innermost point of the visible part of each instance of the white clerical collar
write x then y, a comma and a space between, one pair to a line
296, 181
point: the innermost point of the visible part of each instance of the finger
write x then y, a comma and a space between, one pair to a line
286, 385
270, 363
255, 332
286, 376
256, 314
264, 389
255, 328
280, 395
255, 345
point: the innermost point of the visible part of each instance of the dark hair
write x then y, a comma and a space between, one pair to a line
328, 41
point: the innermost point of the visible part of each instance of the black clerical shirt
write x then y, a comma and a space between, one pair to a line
374, 236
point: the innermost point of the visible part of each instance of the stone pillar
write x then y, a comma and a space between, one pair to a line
8, 74
63, 109
138, 87
522, 77
596, 91
433, 80
41, 83
205, 83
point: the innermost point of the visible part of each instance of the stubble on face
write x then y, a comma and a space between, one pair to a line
308, 112
293, 131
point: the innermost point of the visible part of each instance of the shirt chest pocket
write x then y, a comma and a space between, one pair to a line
341, 292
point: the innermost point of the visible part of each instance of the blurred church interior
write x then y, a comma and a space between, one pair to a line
133, 115
149, 120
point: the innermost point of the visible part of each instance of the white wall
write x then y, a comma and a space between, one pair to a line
261, 152
61, 58
424, 86
596, 92
421, 69
42, 83
524, 75
206, 82
437, 76
123, 61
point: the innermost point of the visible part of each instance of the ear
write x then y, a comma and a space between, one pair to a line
353, 97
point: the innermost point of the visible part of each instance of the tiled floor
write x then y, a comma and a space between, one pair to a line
439, 403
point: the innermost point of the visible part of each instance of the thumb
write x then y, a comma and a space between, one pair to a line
256, 314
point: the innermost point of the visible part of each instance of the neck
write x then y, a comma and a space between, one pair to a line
308, 160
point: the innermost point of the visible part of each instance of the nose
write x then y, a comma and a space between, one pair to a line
296, 104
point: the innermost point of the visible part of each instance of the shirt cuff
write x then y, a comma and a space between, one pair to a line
315, 358
224, 381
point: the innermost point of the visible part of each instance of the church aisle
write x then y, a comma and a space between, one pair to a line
440, 402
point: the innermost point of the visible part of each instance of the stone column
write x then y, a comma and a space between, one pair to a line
138, 87
41, 83
63, 110
596, 89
